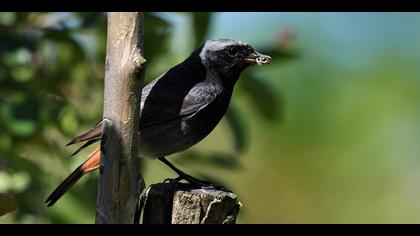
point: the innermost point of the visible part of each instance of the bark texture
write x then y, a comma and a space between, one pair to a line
174, 203
120, 180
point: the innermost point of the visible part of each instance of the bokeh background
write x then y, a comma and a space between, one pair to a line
328, 133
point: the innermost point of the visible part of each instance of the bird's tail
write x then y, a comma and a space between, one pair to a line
91, 163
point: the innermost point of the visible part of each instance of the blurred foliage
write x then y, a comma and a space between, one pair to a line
201, 23
51, 81
329, 133
7, 204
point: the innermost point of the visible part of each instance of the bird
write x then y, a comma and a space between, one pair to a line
179, 108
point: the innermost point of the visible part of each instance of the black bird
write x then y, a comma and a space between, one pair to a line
180, 107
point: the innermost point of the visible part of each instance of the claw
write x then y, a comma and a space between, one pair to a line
191, 180
171, 181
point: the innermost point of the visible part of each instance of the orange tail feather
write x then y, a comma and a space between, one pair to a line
91, 164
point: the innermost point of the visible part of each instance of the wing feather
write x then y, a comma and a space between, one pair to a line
177, 94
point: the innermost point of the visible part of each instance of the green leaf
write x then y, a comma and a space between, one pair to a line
22, 73
237, 126
12, 39
5, 142
19, 57
156, 36
21, 116
20, 181
266, 100
69, 50
90, 19
16, 182
68, 120
7, 18
201, 23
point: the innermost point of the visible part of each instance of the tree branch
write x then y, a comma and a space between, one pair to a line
120, 181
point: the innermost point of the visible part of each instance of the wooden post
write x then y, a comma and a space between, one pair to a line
120, 182
176, 203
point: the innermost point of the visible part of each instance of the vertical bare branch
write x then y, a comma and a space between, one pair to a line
120, 180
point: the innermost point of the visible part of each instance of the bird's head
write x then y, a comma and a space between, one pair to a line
230, 57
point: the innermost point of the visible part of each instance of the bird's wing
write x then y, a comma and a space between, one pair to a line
93, 135
199, 97
173, 95
164, 109
178, 93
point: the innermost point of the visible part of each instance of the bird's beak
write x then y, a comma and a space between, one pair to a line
257, 58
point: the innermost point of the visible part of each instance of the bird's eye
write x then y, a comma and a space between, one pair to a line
233, 51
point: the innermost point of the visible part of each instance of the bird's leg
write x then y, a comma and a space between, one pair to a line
183, 175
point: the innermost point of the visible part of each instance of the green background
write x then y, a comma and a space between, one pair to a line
328, 133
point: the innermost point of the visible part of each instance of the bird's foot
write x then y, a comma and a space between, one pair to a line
172, 181
194, 182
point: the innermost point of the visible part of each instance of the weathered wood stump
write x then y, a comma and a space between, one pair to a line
178, 203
